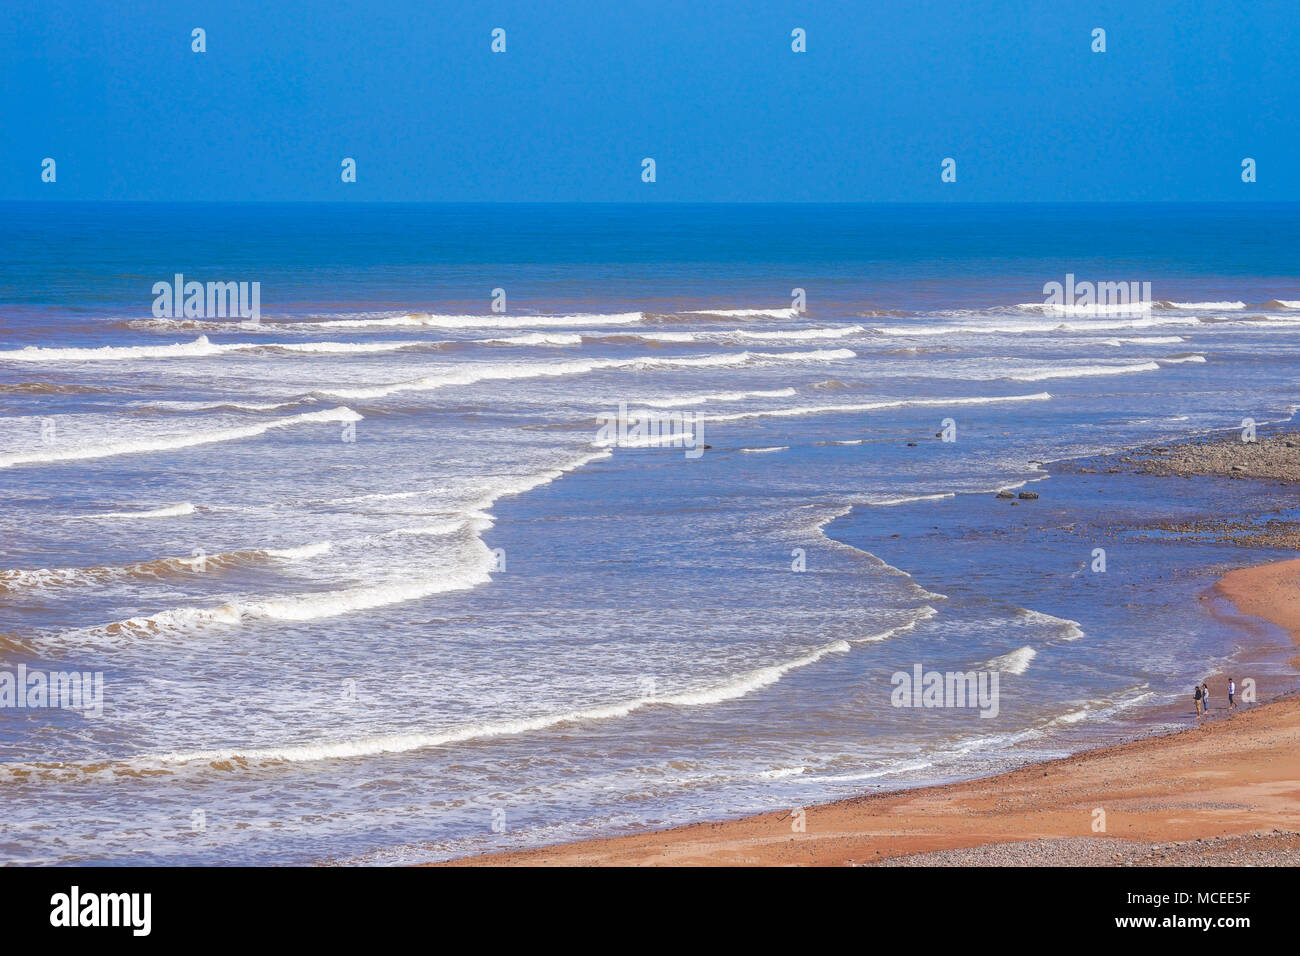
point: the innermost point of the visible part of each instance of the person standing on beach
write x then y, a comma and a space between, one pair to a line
1197, 698
1232, 694
1205, 688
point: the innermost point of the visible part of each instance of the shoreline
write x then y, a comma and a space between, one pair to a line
1225, 791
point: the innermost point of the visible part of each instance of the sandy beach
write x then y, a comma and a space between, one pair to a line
1224, 791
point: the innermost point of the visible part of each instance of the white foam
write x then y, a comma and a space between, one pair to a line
1214, 306
47, 578
302, 552
671, 337
739, 686
199, 348
538, 338
171, 511
308, 606
892, 500
799, 334
1035, 327
719, 397
1015, 662
765, 451
786, 313
1149, 340
483, 321
202, 348
681, 439
340, 348
175, 441
782, 772
1081, 371
919, 616
480, 372
1109, 709
1096, 308
385, 496
875, 406
1070, 630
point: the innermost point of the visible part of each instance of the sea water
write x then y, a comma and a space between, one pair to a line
362, 582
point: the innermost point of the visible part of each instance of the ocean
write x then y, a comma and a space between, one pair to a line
368, 577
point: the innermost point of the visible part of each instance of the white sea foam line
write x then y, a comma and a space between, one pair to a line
876, 406
171, 511
763, 451
719, 397
1209, 306
536, 338
782, 772
1014, 662
199, 348
385, 496
1088, 371
342, 348
904, 767
683, 439
203, 348
319, 605
310, 606
1148, 340
922, 614
1082, 371
483, 321
784, 313
908, 499
175, 441
1111, 707
472, 374
737, 687
43, 578
217, 405
796, 334
1072, 630
1036, 327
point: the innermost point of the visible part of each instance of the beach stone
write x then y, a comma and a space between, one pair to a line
1029, 495
1006, 494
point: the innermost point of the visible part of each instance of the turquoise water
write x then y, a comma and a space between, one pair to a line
363, 583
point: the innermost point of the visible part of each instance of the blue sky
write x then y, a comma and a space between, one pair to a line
712, 91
